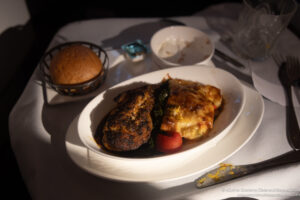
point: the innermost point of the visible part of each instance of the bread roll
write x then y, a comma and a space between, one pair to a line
74, 64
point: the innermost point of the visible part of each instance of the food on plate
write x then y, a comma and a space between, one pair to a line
160, 116
129, 125
74, 64
190, 108
168, 142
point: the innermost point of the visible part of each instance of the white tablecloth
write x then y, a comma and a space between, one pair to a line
38, 133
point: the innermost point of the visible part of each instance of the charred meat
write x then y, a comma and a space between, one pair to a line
129, 124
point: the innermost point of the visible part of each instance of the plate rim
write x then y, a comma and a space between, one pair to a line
95, 172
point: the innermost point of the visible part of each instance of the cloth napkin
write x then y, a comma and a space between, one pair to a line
265, 73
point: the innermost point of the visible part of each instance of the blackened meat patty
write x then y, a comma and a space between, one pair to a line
129, 124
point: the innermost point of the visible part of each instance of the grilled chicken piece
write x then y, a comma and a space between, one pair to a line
190, 108
129, 125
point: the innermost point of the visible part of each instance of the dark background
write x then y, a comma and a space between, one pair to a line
22, 46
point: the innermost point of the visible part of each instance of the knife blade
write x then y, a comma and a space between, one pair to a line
228, 59
227, 172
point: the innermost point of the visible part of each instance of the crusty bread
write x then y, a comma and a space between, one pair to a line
74, 64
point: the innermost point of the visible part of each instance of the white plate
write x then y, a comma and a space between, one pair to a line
237, 137
97, 108
95, 111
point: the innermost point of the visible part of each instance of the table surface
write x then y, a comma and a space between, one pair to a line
38, 130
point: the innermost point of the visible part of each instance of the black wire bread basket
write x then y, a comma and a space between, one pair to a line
74, 89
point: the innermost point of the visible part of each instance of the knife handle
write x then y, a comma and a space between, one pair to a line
289, 157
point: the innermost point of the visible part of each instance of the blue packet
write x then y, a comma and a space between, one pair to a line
135, 51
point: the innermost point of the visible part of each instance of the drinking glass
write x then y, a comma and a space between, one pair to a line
259, 25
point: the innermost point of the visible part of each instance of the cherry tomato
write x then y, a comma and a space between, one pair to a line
169, 142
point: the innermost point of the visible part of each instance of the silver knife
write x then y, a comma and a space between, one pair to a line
228, 59
227, 172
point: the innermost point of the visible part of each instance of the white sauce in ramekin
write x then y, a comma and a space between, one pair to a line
181, 51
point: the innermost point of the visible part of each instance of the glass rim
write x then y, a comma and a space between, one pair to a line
292, 12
